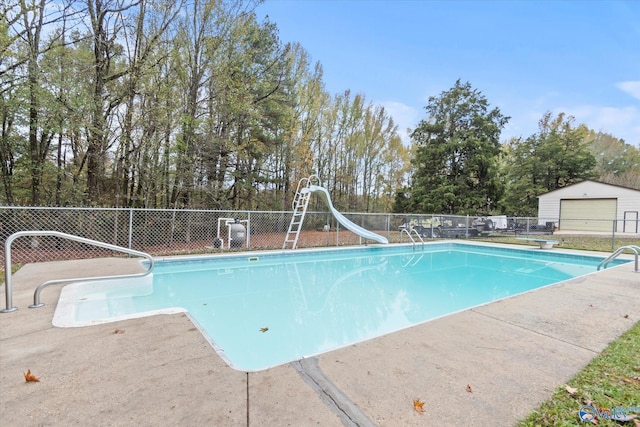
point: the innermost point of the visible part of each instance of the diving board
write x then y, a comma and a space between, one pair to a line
544, 243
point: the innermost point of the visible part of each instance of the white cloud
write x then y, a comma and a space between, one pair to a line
630, 87
404, 116
522, 124
620, 122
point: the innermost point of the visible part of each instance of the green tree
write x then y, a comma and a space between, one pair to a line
294, 158
616, 162
557, 156
10, 99
456, 155
379, 137
118, 26
263, 106
23, 45
166, 104
397, 166
144, 34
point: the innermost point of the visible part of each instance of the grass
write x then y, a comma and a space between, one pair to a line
579, 242
611, 380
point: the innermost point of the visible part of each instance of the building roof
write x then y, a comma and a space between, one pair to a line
592, 181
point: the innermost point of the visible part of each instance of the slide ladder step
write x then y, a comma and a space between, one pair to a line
300, 204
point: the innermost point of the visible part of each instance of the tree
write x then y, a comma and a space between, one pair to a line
109, 22
457, 148
294, 158
261, 105
144, 36
397, 166
379, 137
10, 101
166, 104
616, 162
557, 156
23, 45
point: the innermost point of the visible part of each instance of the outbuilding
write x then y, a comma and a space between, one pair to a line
592, 206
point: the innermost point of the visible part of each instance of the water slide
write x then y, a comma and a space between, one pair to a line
362, 232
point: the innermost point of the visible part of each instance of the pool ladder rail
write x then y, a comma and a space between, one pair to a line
36, 295
633, 248
408, 233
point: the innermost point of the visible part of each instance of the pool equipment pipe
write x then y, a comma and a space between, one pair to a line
237, 233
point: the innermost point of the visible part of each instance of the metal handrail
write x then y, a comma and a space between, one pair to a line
36, 295
419, 237
411, 238
633, 248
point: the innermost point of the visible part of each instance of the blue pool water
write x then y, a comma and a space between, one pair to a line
268, 309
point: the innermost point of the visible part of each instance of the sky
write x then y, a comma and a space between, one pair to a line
526, 57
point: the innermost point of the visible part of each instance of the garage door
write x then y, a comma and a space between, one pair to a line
587, 215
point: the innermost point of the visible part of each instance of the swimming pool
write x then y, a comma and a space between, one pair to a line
267, 309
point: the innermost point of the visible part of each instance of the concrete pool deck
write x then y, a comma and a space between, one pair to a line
160, 370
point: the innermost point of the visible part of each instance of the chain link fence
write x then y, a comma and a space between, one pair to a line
178, 232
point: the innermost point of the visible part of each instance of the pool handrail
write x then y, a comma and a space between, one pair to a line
633, 248
404, 230
36, 295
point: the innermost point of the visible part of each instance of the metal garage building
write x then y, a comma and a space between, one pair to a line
592, 206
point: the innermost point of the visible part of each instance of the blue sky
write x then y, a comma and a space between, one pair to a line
526, 57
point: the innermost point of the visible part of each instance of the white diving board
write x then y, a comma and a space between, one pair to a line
544, 243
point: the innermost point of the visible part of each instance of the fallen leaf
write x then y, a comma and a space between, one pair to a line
119, 331
418, 406
469, 388
30, 378
265, 329
571, 390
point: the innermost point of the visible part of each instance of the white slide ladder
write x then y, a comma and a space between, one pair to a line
300, 204
306, 186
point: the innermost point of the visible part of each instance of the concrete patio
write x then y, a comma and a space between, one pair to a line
160, 370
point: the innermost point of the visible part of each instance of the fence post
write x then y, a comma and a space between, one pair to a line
248, 229
466, 228
130, 226
613, 235
328, 222
389, 227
